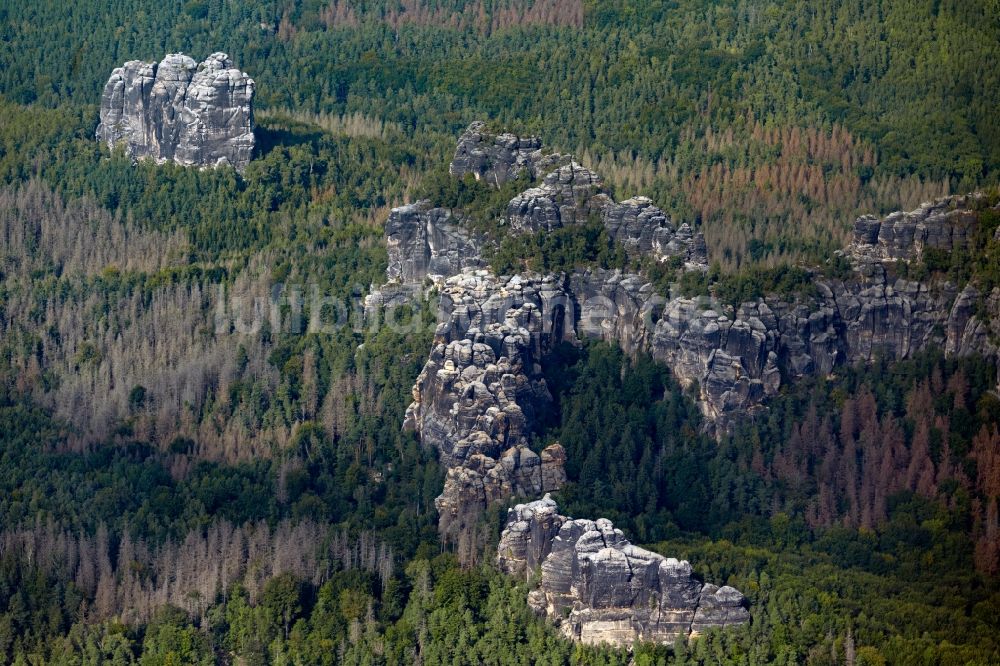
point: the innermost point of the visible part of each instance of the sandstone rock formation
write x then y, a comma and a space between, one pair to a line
425, 241
479, 390
567, 196
599, 588
498, 158
482, 481
736, 358
481, 386
944, 224
478, 394
193, 114
646, 231
569, 193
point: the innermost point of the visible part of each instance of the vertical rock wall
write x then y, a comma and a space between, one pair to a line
195, 114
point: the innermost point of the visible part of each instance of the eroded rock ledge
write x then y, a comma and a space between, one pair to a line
599, 588
195, 114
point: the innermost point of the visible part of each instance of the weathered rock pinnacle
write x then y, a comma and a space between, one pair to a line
195, 114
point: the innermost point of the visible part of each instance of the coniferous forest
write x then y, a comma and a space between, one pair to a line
178, 491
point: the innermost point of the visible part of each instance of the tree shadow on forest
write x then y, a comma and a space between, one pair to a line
280, 131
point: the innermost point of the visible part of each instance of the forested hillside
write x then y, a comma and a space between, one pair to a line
771, 123
201, 453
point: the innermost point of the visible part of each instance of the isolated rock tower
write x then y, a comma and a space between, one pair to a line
195, 114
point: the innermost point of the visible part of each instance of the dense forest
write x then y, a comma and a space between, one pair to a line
201, 458
884, 572
770, 123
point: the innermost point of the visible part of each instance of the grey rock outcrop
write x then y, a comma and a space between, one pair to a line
481, 387
736, 358
570, 194
599, 588
718, 607
646, 231
498, 158
527, 536
424, 241
944, 224
481, 481
195, 114
479, 390
567, 196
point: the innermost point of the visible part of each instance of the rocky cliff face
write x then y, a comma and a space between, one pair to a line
943, 225
645, 231
195, 114
483, 402
480, 389
567, 196
424, 241
498, 158
568, 193
599, 588
479, 392
738, 357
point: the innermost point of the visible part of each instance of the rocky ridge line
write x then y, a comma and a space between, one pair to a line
195, 114
735, 357
477, 394
569, 193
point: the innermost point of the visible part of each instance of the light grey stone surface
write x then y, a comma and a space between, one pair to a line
599, 588
195, 114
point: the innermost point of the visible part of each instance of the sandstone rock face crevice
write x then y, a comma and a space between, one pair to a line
195, 114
